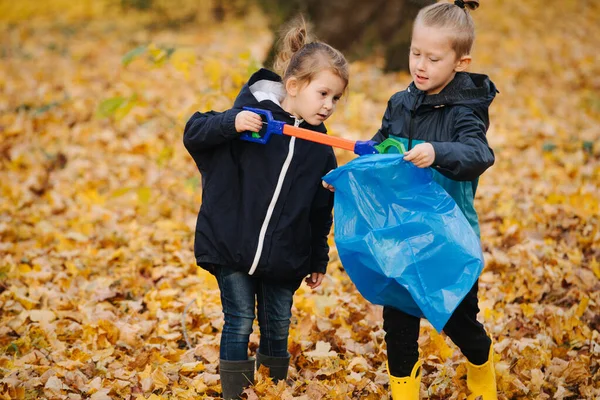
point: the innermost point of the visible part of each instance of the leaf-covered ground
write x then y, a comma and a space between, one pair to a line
98, 200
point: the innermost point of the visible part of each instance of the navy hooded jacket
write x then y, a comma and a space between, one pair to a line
264, 210
455, 122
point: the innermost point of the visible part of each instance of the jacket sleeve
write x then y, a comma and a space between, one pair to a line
321, 219
468, 155
210, 129
383, 132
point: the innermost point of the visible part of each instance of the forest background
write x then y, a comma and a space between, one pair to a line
98, 199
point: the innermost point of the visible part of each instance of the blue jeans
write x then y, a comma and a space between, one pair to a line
240, 295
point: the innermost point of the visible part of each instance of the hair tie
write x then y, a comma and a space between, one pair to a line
459, 3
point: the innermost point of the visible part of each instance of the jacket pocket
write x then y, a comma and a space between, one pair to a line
289, 256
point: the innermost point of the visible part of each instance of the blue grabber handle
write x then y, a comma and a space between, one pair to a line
364, 147
274, 127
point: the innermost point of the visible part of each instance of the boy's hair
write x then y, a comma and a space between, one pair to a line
302, 56
454, 17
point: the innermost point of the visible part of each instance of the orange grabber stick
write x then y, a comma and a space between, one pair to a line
318, 137
361, 147
276, 127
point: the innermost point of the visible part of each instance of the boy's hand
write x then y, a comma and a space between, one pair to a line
248, 121
422, 155
315, 279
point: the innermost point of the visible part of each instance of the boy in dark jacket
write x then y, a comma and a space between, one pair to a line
442, 118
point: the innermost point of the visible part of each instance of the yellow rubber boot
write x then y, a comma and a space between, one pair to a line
481, 379
407, 388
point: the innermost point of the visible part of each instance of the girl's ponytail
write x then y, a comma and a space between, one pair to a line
470, 4
301, 56
294, 37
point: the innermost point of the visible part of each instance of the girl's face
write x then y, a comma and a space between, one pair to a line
433, 62
316, 101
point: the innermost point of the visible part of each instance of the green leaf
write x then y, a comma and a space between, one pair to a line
132, 55
117, 107
125, 107
548, 147
46, 108
109, 106
169, 51
192, 183
13, 348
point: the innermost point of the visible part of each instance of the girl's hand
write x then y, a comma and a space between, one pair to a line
248, 121
314, 280
422, 155
328, 186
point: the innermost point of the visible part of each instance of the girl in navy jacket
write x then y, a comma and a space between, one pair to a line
264, 219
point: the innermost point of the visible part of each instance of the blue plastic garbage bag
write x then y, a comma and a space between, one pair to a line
402, 239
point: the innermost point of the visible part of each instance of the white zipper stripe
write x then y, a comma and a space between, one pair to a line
265, 225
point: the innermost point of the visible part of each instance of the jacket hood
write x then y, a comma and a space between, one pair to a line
466, 88
475, 91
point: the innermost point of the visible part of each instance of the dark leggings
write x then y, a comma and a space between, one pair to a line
402, 334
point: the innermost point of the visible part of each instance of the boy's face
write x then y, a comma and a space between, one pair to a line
433, 62
316, 101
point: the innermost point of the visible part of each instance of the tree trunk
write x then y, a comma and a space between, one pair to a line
355, 27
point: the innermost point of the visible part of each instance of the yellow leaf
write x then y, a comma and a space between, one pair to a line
117, 254
440, 344
213, 70
245, 55
555, 198
144, 194
93, 197
160, 379
25, 301
146, 372
528, 310
238, 79
158, 55
182, 60
24, 268
583, 304
487, 313
165, 155
112, 332
192, 367
120, 192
